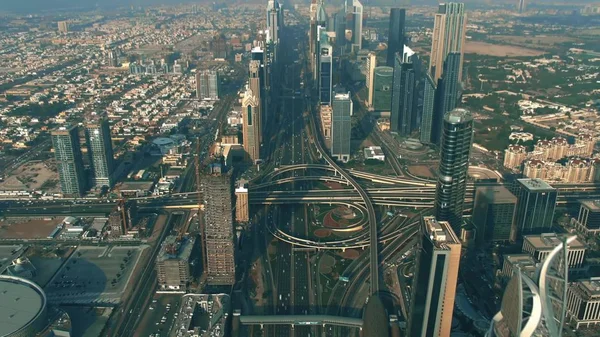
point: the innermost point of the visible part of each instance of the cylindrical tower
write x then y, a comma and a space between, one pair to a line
457, 137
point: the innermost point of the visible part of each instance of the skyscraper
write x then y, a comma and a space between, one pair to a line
273, 16
101, 154
395, 34
218, 229
63, 26
207, 85
354, 16
341, 126
434, 286
370, 77
325, 67
493, 213
382, 88
427, 109
536, 202
69, 160
522, 6
446, 96
404, 93
457, 137
448, 36
251, 127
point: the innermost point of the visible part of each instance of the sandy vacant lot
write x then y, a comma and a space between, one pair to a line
484, 48
30, 176
28, 228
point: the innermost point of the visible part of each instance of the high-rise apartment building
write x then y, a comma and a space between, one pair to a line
395, 35
446, 94
207, 85
325, 64
69, 161
434, 286
63, 26
536, 202
404, 93
457, 138
341, 126
354, 17
370, 77
100, 152
428, 106
448, 37
218, 229
251, 125
514, 156
382, 88
493, 214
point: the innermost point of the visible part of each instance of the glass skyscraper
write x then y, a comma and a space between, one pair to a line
404, 94
69, 161
341, 126
457, 138
448, 36
395, 34
207, 85
325, 64
382, 88
427, 109
100, 151
446, 97
536, 202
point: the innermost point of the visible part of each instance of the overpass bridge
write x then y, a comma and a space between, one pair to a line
301, 320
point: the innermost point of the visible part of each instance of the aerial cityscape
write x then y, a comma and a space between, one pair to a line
300, 168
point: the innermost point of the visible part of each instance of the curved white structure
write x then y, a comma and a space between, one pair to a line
546, 290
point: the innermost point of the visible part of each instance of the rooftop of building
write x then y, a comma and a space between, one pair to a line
535, 184
497, 194
440, 232
592, 205
525, 261
173, 248
548, 241
374, 151
136, 185
589, 288
21, 302
384, 71
458, 115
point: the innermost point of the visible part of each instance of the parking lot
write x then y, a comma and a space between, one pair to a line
94, 275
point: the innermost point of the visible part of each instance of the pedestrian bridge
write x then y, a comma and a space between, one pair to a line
301, 320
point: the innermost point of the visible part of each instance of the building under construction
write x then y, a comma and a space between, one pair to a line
122, 217
218, 228
174, 263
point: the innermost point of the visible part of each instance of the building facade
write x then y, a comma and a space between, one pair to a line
207, 85
382, 88
341, 126
583, 302
218, 229
325, 65
251, 129
404, 93
173, 267
514, 156
101, 153
370, 77
427, 112
588, 219
457, 138
494, 214
446, 94
69, 161
448, 36
536, 201
354, 17
395, 35
436, 274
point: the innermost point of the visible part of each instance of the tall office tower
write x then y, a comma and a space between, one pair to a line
494, 214
207, 85
218, 45
446, 94
218, 230
340, 32
404, 93
251, 127
395, 35
522, 6
427, 109
434, 286
259, 55
341, 126
313, 36
457, 138
69, 161
273, 24
448, 36
113, 58
536, 201
101, 153
325, 67
370, 78
63, 26
382, 88
354, 17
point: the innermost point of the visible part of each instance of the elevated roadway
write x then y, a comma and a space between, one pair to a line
301, 320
